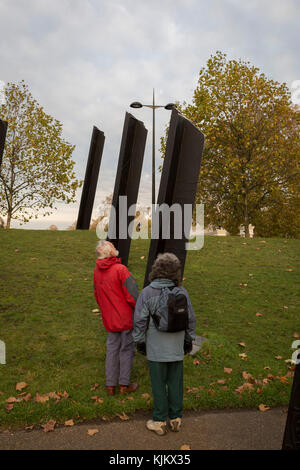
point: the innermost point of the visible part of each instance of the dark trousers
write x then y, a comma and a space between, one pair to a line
167, 389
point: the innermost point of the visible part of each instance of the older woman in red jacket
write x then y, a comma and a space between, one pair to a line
116, 293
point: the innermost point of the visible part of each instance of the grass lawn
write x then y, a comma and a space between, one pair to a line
55, 343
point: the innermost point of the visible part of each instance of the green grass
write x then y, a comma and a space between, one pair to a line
55, 342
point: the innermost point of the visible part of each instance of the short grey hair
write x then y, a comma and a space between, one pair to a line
166, 266
105, 249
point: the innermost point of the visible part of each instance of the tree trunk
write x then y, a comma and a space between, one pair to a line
246, 216
8, 220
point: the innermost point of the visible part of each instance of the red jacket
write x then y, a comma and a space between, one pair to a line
116, 293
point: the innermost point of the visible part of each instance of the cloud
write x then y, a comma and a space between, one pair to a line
86, 60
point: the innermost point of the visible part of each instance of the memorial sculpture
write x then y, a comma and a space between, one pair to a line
127, 184
178, 185
90, 180
3, 130
291, 439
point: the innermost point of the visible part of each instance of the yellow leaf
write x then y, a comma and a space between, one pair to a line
263, 407
91, 432
70, 422
123, 416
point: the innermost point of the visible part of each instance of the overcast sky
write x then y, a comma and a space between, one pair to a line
85, 61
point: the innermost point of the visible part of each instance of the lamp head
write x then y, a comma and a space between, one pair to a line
136, 104
170, 106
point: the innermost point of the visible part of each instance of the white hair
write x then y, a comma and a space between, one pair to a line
105, 249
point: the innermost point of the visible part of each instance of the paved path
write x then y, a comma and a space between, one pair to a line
212, 430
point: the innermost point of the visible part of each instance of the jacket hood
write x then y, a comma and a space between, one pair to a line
159, 283
106, 263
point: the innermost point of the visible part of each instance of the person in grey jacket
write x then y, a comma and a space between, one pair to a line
164, 350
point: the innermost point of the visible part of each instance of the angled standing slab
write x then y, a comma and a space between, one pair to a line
3, 130
127, 183
178, 183
90, 180
291, 439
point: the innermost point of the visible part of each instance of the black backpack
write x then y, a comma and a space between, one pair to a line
172, 313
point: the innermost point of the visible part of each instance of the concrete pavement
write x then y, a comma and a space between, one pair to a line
207, 430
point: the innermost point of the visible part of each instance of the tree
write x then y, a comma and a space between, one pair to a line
250, 170
37, 169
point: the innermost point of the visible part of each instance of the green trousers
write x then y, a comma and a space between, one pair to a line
167, 389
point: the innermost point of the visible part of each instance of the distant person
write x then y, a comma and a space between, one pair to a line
165, 349
116, 293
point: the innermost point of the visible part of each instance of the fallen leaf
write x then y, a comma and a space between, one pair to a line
96, 310
263, 407
185, 447
146, 395
142, 257
278, 357
94, 387
289, 270
227, 370
258, 314
105, 418
248, 377
267, 368
9, 407
242, 344
49, 426
123, 416
284, 380
243, 356
63, 395
221, 381
285, 306
246, 386
130, 398
295, 335
259, 390
12, 400
91, 432
97, 399
70, 422
41, 398
20, 386
26, 397
196, 362
184, 278
29, 428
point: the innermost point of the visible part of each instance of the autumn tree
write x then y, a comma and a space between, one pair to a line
37, 169
250, 168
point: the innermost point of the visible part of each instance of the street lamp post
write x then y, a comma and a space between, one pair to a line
153, 106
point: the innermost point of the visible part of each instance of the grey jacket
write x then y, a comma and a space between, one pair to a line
160, 346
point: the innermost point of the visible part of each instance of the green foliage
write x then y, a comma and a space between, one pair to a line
37, 168
250, 170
